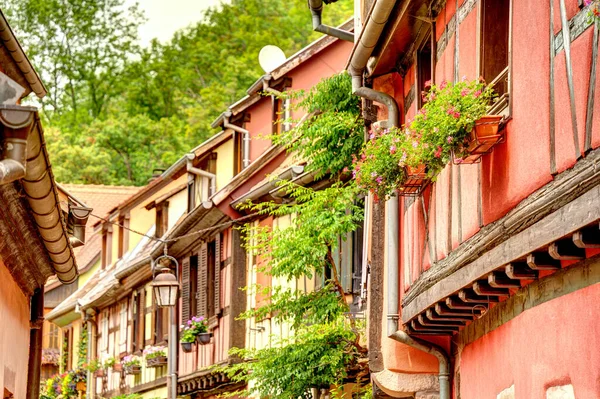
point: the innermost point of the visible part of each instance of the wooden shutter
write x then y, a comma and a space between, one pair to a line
217, 291
142, 320
153, 323
202, 281
185, 290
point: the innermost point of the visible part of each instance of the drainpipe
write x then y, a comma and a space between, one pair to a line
78, 217
17, 121
199, 172
369, 37
35, 344
91, 353
316, 9
245, 138
432, 349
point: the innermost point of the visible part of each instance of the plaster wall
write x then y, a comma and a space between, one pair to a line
14, 338
553, 344
225, 154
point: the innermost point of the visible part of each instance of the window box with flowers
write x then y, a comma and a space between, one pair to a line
453, 124
156, 356
387, 164
132, 365
194, 330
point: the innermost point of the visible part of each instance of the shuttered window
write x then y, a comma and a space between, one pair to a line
138, 312
217, 276
495, 46
202, 296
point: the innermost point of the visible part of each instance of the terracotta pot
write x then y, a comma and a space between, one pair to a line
484, 136
133, 369
203, 338
81, 386
117, 367
156, 361
186, 346
99, 373
416, 180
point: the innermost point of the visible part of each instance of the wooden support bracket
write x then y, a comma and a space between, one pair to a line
587, 238
433, 316
469, 296
499, 280
542, 261
566, 250
520, 270
420, 329
443, 310
482, 288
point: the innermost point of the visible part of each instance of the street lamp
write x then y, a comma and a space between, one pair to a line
166, 289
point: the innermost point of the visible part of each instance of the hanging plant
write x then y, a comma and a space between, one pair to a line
594, 6
381, 165
443, 126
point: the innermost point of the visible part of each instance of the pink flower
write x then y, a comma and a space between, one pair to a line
379, 180
444, 84
477, 93
363, 157
428, 83
449, 139
464, 92
345, 170
372, 135
373, 174
438, 153
392, 149
435, 129
415, 144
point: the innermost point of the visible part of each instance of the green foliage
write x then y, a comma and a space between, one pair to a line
304, 248
334, 132
82, 348
316, 356
117, 111
192, 328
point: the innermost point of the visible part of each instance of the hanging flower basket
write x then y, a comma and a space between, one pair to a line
186, 347
203, 338
133, 369
483, 137
157, 361
416, 180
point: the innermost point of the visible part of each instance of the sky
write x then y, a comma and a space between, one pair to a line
167, 16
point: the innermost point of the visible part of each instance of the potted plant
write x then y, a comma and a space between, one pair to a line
453, 123
156, 356
131, 364
200, 327
188, 337
109, 363
387, 164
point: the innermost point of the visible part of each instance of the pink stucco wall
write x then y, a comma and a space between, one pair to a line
14, 335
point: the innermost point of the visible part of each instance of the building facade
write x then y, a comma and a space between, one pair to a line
493, 267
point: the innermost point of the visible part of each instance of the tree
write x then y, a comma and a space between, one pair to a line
325, 349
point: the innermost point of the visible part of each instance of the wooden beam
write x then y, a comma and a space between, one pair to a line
567, 45
444, 279
420, 329
587, 238
520, 271
499, 280
589, 117
566, 250
542, 261
552, 113
448, 323
456, 303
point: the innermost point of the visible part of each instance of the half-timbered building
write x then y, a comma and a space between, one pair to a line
484, 285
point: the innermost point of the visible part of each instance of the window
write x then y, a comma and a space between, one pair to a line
193, 284
281, 115
424, 65
107, 246
199, 187
104, 331
123, 325
53, 335
495, 47
138, 315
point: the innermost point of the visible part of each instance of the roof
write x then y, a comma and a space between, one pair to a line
295, 60
101, 199
18, 55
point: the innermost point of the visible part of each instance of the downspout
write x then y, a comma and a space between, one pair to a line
245, 138
35, 344
362, 51
316, 9
432, 349
91, 354
199, 172
78, 217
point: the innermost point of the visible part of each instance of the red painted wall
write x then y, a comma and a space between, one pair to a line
555, 343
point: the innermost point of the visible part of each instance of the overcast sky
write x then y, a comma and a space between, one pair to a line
167, 16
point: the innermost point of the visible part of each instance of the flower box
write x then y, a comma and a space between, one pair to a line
132, 369
203, 338
158, 361
484, 136
186, 347
117, 367
416, 181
